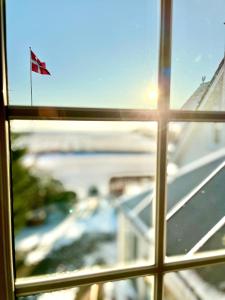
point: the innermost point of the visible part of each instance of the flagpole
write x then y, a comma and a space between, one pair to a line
31, 92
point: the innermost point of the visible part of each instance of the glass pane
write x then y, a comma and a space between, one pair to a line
136, 288
99, 53
78, 188
200, 283
197, 55
195, 203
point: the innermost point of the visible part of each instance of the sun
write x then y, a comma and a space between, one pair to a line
153, 95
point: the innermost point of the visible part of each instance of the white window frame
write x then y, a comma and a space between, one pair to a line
10, 287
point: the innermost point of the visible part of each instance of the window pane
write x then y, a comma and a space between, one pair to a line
132, 289
78, 190
197, 54
200, 283
195, 202
99, 53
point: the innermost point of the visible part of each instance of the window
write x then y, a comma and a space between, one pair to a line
153, 200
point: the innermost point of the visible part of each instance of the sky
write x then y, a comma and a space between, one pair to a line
101, 53
198, 45
104, 53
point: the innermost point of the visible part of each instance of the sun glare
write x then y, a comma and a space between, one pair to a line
153, 97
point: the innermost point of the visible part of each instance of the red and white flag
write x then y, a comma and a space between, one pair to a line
38, 66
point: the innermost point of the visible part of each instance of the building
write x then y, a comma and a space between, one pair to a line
195, 190
209, 96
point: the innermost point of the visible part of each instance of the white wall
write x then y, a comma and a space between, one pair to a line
199, 139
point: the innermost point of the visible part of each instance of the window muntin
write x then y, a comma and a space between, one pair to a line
81, 213
109, 60
126, 289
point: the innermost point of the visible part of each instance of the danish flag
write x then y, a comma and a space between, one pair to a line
38, 66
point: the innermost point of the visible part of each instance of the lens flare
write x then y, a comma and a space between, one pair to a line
153, 97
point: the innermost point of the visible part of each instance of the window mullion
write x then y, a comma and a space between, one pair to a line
163, 106
51, 113
28, 286
41, 284
160, 207
6, 256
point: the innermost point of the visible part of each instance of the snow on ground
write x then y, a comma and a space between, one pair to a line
39, 242
80, 171
103, 221
105, 252
86, 141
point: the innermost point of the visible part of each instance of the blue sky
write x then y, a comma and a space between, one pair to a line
198, 44
104, 53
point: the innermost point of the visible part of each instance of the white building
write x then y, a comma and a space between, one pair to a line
199, 139
195, 190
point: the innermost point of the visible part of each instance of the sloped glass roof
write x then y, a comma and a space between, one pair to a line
182, 223
185, 183
181, 186
197, 216
146, 215
216, 242
214, 274
132, 202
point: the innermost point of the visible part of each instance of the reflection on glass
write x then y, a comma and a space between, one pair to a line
200, 283
107, 55
79, 190
197, 77
136, 288
195, 218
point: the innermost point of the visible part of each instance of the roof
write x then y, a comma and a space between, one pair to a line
211, 82
180, 186
209, 197
131, 202
215, 242
197, 98
190, 176
196, 204
197, 190
214, 274
192, 102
